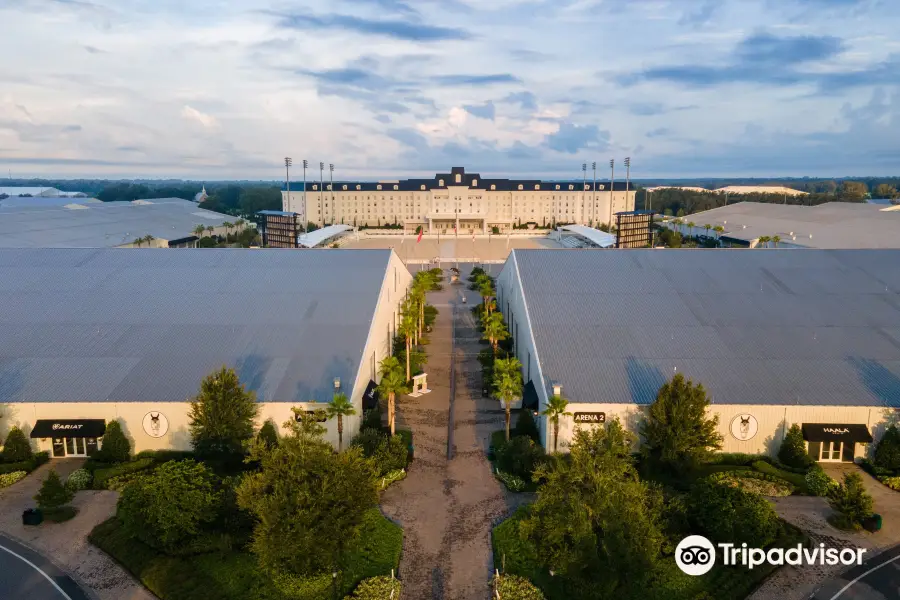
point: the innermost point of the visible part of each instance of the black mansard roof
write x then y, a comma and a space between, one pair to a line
470, 180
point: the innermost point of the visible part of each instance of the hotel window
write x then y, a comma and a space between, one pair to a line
423, 188
557, 187
345, 188
359, 187
587, 187
520, 186
474, 183
602, 186
441, 182
315, 187
571, 187
537, 187
493, 187
329, 186
396, 187
458, 178
378, 187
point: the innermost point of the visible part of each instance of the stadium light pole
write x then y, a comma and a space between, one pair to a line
594, 191
627, 178
331, 175
305, 164
287, 178
612, 184
583, 185
321, 185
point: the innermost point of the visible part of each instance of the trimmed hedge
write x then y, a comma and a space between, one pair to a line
752, 481
161, 456
102, 476
798, 480
377, 588
28, 466
7, 479
513, 587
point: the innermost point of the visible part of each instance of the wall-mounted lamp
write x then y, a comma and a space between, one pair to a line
337, 383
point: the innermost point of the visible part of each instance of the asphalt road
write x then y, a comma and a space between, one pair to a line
25, 574
876, 579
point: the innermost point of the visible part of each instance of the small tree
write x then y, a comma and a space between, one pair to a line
116, 447
728, 514
170, 506
340, 407
494, 329
17, 447
793, 449
222, 415
53, 493
392, 383
507, 384
268, 434
556, 408
887, 451
851, 500
677, 432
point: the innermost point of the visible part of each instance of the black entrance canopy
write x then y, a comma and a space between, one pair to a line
69, 428
370, 397
529, 397
831, 432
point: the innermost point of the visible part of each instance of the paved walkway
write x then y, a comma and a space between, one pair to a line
809, 514
66, 544
450, 500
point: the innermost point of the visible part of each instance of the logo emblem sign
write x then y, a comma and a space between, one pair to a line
744, 427
155, 424
695, 555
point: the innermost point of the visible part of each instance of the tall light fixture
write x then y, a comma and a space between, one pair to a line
321, 185
583, 185
627, 178
287, 179
305, 206
612, 184
594, 192
331, 175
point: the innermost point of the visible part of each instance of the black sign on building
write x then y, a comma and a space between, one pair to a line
280, 229
634, 229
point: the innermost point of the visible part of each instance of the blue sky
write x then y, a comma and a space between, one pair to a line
215, 89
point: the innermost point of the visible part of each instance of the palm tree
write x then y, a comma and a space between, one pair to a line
149, 239
691, 226
137, 242
210, 229
719, 231
340, 407
392, 383
776, 239
407, 329
556, 408
507, 384
227, 225
494, 329
199, 230
707, 227
764, 239
486, 289
240, 223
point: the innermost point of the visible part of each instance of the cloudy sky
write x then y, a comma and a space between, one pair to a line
216, 89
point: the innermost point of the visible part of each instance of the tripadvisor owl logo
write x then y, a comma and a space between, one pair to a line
695, 555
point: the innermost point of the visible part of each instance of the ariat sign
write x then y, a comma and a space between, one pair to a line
60, 426
836, 430
591, 417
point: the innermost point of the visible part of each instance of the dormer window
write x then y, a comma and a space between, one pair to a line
358, 187
557, 186
422, 188
458, 178
441, 182
521, 187
345, 188
329, 186
571, 187
537, 187
378, 187
587, 187
602, 186
474, 183
493, 187
396, 187
315, 187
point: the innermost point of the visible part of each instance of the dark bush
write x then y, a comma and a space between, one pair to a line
53, 493
101, 476
116, 447
28, 466
520, 456
161, 456
887, 451
526, 425
727, 514
850, 499
371, 418
17, 448
268, 434
793, 449
391, 455
369, 439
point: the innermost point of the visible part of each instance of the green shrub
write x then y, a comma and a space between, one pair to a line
797, 480
891, 482
850, 499
53, 493
526, 425
391, 454
377, 588
101, 476
7, 479
161, 456
512, 482
752, 481
79, 479
28, 466
116, 447
520, 456
371, 418
170, 506
17, 448
391, 477
513, 587
819, 483
60, 514
407, 436
887, 451
368, 439
735, 458
793, 449
728, 514
268, 434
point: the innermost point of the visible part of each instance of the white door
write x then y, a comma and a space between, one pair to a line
831, 452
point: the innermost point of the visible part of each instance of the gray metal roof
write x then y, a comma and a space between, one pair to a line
814, 327
129, 325
108, 224
831, 225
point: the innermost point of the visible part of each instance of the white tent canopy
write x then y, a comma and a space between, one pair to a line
595, 236
319, 236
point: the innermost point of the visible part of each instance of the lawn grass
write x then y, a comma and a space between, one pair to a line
518, 557
236, 576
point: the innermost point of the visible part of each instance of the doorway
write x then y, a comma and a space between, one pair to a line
74, 447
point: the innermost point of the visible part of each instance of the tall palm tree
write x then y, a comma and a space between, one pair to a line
556, 408
227, 225
240, 223
392, 383
764, 240
210, 229
494, 329
776, 239
137, 242
719, 231
691, 226
199, 230
407, 329
507, 384
707, 227
486, 289
340, 407
149, 239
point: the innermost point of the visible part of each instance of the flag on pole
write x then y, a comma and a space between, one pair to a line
419, 239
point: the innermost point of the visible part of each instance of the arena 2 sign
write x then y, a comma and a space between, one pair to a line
591, 417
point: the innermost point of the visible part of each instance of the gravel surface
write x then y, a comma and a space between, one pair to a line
450, 500
66, 544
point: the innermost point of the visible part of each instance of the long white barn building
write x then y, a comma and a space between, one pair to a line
458, 199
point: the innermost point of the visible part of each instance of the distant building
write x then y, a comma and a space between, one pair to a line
678, 187
201, 195
458, 200
39, 192
829, 225
761, 189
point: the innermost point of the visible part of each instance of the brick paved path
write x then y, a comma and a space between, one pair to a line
450, 500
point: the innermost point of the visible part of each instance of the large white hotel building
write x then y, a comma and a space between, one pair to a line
458, 200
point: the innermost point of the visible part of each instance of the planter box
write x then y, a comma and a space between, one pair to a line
873, 523
32, 516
